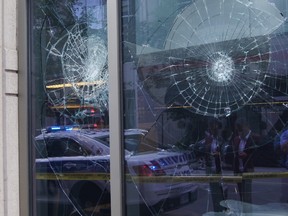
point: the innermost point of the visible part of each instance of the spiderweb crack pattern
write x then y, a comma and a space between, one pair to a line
216, 58
84, 68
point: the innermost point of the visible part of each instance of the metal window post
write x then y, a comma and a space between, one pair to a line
115, 108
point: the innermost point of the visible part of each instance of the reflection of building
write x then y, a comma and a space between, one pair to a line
187, 69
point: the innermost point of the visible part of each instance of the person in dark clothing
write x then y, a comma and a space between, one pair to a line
244, 147
284, 147
213, 162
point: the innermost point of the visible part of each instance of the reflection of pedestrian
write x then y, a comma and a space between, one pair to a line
284, 147
105, 118
244, 146
213, 162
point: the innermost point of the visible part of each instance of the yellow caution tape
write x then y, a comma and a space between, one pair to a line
187, 179
73, 176
162, 179
265, 175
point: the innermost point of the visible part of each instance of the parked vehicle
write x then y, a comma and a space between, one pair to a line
73, 167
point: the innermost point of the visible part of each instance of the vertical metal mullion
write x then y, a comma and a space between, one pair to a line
115, 107
25, 167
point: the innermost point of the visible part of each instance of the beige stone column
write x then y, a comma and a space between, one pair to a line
9, 153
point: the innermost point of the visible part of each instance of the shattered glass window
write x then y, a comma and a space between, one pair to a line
69, 103
205, 107
207, 83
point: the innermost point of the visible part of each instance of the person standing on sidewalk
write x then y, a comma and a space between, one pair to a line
244, 147
213, 162
284, 147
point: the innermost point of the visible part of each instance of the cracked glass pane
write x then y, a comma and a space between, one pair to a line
206, 83
69, 105
205, 107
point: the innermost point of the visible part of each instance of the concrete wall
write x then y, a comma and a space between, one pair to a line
9, 153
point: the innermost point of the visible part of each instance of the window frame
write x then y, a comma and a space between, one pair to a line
115, 104
25, 169
27, 175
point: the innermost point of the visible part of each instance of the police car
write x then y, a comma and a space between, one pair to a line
73, 167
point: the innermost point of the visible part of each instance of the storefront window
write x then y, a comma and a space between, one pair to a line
205, 107
69, 99
205, 89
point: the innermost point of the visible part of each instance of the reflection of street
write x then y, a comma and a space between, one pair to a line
270, 190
